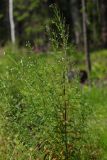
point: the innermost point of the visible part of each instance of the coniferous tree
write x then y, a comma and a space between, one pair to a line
104, 21
4, 29
31, 19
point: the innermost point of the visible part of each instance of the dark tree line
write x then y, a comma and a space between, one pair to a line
103, 9
32, 16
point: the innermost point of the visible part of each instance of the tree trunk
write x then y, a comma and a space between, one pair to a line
76, 20
86, 46
104, 21
12, 26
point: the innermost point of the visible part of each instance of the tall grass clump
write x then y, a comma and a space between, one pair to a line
43, 116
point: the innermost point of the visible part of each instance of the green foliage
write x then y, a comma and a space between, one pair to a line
32, 109
30, 19
97, 96
43, 115
99, 67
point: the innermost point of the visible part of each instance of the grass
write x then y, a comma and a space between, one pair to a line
97, 96
21, 91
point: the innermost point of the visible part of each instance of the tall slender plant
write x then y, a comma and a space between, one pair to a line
73, 108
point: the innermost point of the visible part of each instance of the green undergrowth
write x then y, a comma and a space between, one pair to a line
43, 116
97, 97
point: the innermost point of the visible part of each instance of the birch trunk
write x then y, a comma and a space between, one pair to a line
85, 36
12, 26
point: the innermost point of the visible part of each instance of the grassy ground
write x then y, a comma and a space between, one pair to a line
96, 95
